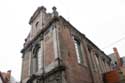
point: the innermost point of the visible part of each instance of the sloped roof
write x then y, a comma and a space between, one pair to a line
86, 38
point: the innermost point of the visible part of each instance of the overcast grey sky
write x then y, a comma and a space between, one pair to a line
102, 21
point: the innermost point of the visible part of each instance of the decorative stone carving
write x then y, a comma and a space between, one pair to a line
55, 13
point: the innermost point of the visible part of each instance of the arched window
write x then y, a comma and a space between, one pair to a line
78, 51
38, 57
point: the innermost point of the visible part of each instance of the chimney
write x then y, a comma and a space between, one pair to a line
117, 56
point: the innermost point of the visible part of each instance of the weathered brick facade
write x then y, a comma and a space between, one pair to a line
66, 55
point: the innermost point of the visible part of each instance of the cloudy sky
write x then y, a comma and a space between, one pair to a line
102, 21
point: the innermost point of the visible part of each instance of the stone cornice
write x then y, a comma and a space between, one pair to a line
88, 40
45, 75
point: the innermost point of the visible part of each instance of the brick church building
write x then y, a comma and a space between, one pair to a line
56, 52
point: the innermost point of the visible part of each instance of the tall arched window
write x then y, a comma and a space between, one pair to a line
78, 51
39, 59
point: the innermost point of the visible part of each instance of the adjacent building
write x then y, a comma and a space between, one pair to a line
123, 61
56, 52
115, 59
6, 77
118, 66
123, 65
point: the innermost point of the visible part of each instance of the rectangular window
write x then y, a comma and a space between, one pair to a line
78, 51
39, 59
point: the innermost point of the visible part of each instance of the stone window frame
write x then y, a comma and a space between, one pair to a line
35, 55
98, 67
78, 49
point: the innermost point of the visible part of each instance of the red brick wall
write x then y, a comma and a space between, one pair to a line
75, 73
112, 77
